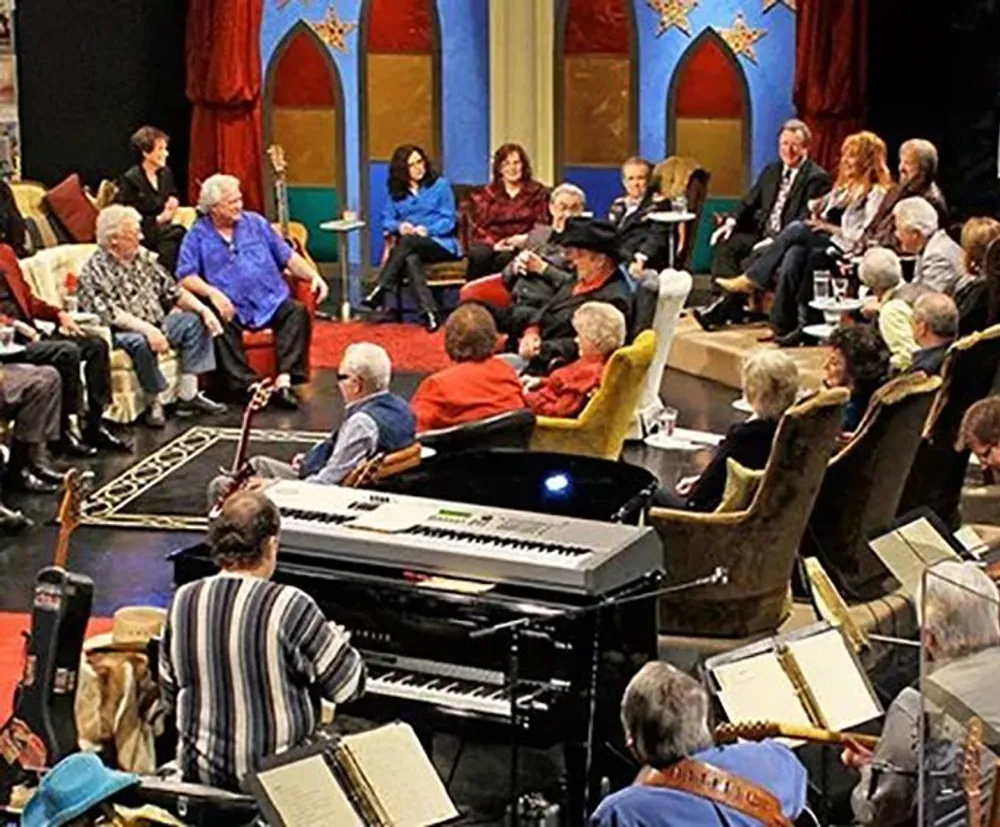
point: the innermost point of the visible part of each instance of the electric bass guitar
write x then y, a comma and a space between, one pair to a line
294, 232
759, 730
42, 729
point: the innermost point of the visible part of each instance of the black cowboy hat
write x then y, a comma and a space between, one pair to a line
592, 234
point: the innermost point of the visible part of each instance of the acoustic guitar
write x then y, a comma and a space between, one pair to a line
971, 772
42, 729
294, 232
759, 730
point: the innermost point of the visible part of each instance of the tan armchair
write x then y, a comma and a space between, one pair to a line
863, 484
757, 546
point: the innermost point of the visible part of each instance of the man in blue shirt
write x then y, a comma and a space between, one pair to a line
665, 716
234, 259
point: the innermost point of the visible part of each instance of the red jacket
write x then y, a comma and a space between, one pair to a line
466, 392
494, 215
566, 391
30, 305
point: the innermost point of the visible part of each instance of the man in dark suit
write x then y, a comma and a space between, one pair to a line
935, 328
780, 195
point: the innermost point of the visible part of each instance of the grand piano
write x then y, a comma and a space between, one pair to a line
478, 620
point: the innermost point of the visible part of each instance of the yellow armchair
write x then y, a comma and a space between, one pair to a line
601, 428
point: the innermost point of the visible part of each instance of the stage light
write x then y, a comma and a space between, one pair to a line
557, 484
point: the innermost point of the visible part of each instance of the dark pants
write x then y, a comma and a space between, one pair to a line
485, 261
794, 288
731, 254
165, 240
65, 354
291, 325
31, 394
406, 263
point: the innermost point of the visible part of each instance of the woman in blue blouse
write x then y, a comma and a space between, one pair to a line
420, 219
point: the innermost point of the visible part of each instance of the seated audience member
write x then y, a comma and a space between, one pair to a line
935, 327
980, 434
600, 331
288, 654
541, 267
149, 186
420, 218
376, 421
13, 230
592, 248
834, 231
234, 259
972, 293
503, 210
770, 384
635, 179
149, 313
881, 272
940, 261
664, 714
65, 349
478, 385
30, 395
918, 163
858, 360
961, 633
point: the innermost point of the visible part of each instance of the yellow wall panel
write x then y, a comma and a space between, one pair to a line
400, 104
309, 137
717, 144
595, 109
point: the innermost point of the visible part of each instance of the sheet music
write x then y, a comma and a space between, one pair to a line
757, 689
840, 690
306, 794
909, 550
971, 541
401, 776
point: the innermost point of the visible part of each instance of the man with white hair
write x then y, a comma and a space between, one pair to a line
940, 260
685, 780
234, 259
935, 327
961, 633
148, 314
376, 421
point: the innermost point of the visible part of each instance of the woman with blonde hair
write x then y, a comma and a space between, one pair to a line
834, 232
977, 294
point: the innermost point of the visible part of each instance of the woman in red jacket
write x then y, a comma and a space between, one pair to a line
478, 386
504, 211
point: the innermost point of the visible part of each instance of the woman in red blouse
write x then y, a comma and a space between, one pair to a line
502, 212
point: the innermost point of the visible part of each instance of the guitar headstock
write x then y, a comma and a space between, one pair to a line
747, 730
260, 395
76, 486
276, 155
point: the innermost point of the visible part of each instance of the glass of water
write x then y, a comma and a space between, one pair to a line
821, 285
841, 285
668, 421
6, 337
679, 203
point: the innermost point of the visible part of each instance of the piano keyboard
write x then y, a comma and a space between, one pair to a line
460, 540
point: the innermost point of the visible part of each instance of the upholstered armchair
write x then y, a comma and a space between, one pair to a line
600, 429
757, 546
938, 471
864, 481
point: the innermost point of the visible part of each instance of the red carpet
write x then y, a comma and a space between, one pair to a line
411, 348
12, 624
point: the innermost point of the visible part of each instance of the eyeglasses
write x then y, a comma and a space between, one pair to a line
343, 377
984, 453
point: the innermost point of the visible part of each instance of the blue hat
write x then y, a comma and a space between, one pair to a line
74, 785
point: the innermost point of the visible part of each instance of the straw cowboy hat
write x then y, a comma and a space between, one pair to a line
131, 630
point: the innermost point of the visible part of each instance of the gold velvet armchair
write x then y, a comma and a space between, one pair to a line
757, 546
600, 429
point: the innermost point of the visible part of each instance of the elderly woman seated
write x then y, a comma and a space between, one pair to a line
891, 303
477, 386
940, 261
770, 384
858, 360
972, 294
600, 331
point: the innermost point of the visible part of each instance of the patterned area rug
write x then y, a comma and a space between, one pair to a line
167, 489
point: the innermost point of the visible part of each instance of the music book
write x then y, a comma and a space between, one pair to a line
810, 677
379, 778
911, 547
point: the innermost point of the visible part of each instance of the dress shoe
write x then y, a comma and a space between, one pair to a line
284, 397
104, 440
430, 320
374, 299
199, 404
724, 309
70, 445
11, 522
24, 479
739, 284
154, 417
46, 474
794, 338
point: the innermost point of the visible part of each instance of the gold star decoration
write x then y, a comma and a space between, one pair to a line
741, 37
672, 13
770, 4
333, 31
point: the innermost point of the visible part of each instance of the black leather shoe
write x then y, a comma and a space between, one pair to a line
46, 474
431, 321
794, 338
70, 445
104, 440
285, 398
723, 309
11, 522
374, 299
24, 479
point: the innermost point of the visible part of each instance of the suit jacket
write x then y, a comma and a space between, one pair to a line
28, 303
941, 265
749, 443
651, 238
929, 359
811, 181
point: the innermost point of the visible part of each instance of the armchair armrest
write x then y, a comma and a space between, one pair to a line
553, 423
302, 291
101, 331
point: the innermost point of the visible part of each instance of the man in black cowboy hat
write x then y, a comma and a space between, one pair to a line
592, 248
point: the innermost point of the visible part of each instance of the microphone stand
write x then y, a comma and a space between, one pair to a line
640, 591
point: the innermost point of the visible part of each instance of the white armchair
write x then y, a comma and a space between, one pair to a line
675, 286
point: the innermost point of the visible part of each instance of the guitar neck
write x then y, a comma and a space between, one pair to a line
758, 731
243, 444
281, 197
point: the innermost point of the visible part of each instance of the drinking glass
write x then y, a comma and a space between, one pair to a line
668, 420
6, 337
679, 203
821, 285
840, 288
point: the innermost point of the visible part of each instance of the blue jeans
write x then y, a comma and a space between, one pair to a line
187, 335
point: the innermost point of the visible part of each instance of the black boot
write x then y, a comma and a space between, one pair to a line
24, 474
425, 299
431, 322
98, 435
797, 336
725, 308
374, 298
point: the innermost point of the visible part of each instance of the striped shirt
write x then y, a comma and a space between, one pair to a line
241, 661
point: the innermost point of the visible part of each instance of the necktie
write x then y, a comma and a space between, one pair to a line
774, 219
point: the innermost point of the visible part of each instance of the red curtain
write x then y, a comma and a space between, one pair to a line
831, 72
224, 84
